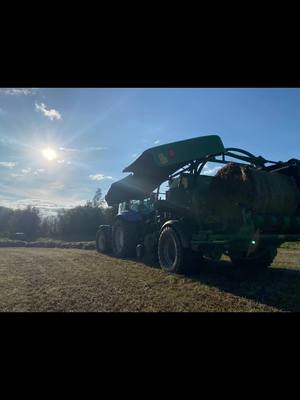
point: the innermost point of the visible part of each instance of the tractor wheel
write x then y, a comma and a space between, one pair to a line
214, 254
124, 238
103, 242
171, 254
259, 260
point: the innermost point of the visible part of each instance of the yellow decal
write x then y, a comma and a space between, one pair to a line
163, 159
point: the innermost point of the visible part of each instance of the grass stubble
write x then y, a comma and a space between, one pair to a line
74, 280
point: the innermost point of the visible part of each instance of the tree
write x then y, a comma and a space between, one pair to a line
98, 201
5, 215
26, 221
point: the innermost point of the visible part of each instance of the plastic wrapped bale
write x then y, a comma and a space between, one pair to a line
261, 191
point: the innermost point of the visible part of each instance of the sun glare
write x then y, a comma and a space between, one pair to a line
49, 154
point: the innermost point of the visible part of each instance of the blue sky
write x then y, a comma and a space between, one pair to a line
97, 132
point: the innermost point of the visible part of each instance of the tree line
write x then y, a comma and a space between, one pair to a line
78, 223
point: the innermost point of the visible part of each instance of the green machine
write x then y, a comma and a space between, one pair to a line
246, 210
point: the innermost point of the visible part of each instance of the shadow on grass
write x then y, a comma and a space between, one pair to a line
278, 287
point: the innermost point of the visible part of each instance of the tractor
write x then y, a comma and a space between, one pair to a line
245, 211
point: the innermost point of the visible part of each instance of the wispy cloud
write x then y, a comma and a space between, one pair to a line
49, 113
28, 171
95, 148
68, 149
63, 162
17, 91
157, 141
86, 149
6, 164
38, 171
46, 207
99, 177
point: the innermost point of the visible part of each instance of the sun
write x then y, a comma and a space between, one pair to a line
49, 154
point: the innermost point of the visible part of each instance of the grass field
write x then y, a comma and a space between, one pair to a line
37, 279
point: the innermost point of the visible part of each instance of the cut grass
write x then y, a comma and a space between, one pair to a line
74, 280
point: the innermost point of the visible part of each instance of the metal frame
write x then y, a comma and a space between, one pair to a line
196, 166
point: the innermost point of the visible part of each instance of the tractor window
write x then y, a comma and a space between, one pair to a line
134, 205
142, 206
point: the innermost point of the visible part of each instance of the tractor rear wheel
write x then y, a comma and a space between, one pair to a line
259, 260
124, 238
171, 254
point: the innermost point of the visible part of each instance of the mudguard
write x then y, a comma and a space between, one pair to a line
181, 230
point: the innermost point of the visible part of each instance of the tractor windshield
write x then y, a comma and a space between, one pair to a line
141, 206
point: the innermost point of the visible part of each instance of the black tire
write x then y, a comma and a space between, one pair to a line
103, 240
124, 238
214, 254
260, 260
171, 254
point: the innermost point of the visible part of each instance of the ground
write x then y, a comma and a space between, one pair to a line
36, 279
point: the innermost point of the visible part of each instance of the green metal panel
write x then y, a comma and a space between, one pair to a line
156, 164
176, 154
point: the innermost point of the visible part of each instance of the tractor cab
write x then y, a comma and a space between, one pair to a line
143, 207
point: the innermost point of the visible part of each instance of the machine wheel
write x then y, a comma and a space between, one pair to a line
103, 242
171, 254
261, 259
124, 238
214, 254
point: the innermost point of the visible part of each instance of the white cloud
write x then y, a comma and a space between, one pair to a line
211, 171
64, 162
68, 149
17, 91
99, 177
7, 164
92, 148
157, 141
56, 186
46, 207
50, 113
95, 148
26, 170
39, 171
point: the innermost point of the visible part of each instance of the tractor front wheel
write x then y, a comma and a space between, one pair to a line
103, 242
124, 238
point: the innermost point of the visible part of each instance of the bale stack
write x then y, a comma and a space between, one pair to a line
262, 192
